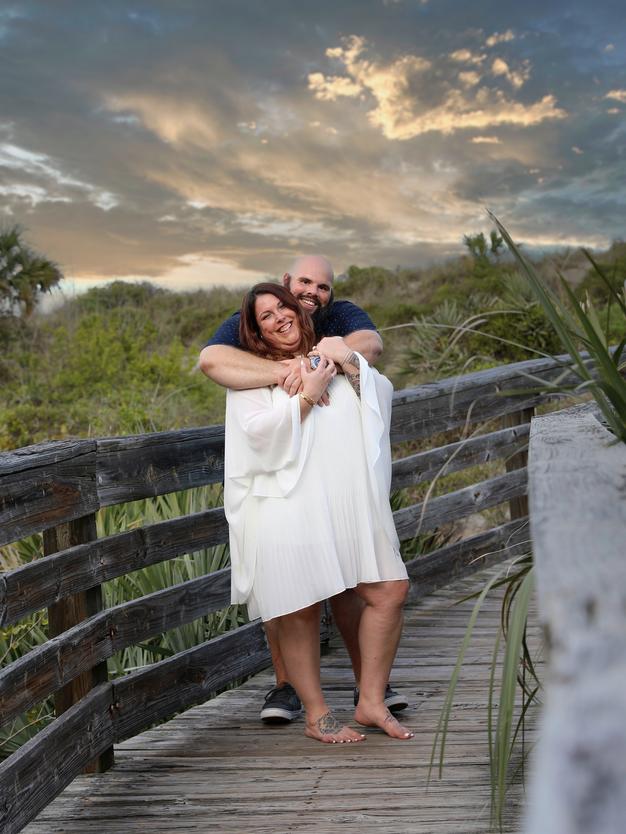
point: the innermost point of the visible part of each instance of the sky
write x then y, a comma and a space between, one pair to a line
201, 142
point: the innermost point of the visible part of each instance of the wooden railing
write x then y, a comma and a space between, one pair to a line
578, 524
58, 487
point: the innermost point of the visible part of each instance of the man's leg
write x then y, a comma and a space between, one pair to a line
271, 633
347, 608
282, 703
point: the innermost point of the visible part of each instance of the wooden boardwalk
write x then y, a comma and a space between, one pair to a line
216, 768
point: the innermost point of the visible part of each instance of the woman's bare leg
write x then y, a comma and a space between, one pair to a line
379, 635
299, 638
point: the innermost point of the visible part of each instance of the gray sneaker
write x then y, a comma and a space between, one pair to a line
393, 700
281, 705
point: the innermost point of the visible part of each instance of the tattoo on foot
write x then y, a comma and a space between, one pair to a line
328, 724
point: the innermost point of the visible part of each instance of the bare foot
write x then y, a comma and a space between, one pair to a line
328, 730
379, 716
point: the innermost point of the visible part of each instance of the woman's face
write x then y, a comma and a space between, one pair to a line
278, 324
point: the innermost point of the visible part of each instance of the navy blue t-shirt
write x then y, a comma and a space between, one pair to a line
340, 319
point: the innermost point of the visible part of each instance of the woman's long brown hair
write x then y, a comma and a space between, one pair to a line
250, 332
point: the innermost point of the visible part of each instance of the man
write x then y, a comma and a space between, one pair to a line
310, 279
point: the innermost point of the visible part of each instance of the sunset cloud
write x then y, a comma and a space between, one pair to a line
466, 56
618, 95
39, 179
401, 113
500, 37
173, 119
469, 78
517, 78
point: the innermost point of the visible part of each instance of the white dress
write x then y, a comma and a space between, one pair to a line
308, 503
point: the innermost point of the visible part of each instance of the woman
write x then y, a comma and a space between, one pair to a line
306, 494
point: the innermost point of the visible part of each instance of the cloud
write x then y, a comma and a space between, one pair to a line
517, 78
470, 78
174, 119
38, 178
330, 88
398, 110
486, 140
500, 37
465, 56
618, 95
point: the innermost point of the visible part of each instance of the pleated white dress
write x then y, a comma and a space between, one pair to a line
308, 503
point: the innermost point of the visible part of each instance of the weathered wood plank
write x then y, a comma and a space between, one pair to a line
419, 518
578, 524
129, 468
43, 582
38, 771
156, 693
434, 570
457, 401
424, 466
48, 667
518, 506
67, 613
44, 485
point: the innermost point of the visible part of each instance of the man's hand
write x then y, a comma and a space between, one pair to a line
292, 381
334, 347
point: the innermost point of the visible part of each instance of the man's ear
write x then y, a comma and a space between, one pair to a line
286, 280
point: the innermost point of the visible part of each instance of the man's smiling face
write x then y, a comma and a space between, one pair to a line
311, 281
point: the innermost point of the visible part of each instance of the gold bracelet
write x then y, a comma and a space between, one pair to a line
307, 399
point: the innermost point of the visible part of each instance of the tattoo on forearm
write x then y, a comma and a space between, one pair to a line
352, 371
355, 381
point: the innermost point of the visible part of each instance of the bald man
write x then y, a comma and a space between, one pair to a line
310, 279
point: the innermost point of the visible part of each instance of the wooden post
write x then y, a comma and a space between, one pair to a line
71, 611
518, 506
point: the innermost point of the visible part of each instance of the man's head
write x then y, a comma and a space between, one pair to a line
310, 279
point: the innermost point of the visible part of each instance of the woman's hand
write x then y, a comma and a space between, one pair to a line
315, 382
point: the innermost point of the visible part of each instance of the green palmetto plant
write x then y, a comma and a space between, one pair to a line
597, 367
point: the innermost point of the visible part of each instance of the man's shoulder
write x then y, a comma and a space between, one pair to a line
343, 305
227, 333
345, 317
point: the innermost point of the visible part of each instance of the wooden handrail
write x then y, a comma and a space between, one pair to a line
578, 525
